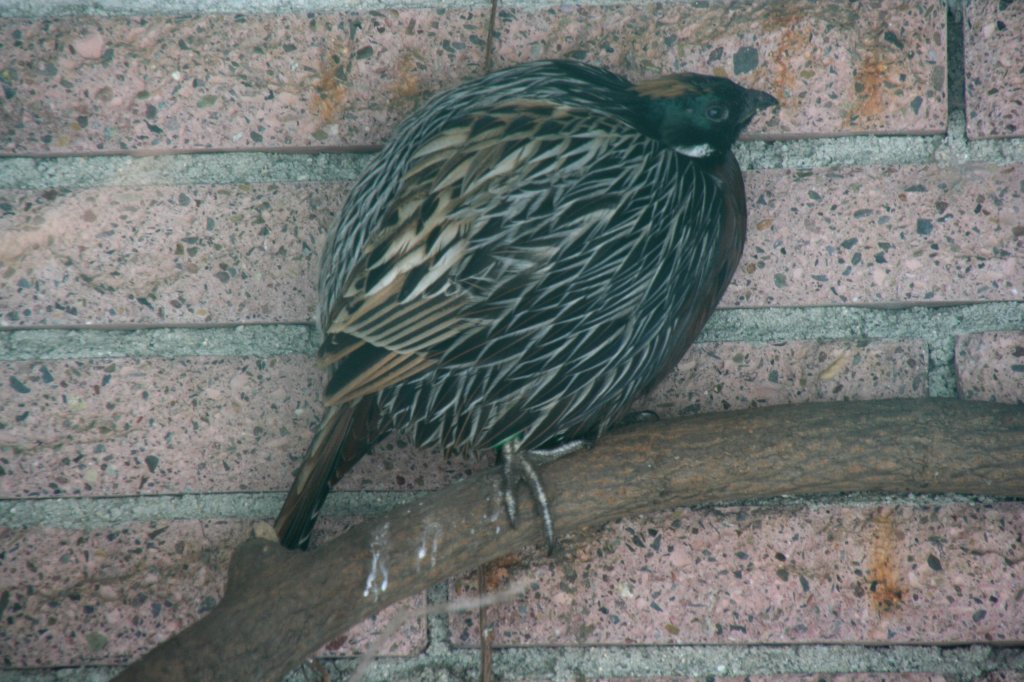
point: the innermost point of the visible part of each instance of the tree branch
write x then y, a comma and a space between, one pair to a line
280, 606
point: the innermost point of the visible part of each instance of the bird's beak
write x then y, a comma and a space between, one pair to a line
755, 101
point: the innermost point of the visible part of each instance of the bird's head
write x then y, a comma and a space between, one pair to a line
698, 115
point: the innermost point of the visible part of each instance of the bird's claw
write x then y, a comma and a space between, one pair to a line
518, 466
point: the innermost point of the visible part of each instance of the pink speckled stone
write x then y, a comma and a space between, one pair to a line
192, 424
205, 424
990, 366
81, 84
164, 254
235, 253
795, 574
227, 81
835, 68
882, 234
994, 68
104, 597
126, 426
723, 376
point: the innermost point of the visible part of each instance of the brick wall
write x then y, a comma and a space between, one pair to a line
155, 302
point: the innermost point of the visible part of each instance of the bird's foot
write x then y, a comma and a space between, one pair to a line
518, 466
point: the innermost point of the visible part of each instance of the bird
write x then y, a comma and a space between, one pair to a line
530, 252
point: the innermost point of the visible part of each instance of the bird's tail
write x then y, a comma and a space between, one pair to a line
343, 438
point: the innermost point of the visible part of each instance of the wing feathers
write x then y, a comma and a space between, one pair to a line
415, 292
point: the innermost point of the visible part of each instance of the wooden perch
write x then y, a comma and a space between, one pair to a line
280, 606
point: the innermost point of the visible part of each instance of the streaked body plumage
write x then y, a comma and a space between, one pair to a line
524, 258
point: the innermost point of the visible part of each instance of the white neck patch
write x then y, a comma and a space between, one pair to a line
697, 151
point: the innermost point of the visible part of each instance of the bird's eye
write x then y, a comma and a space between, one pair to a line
716, 113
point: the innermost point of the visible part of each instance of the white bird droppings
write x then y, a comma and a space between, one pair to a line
429, 539
377, 579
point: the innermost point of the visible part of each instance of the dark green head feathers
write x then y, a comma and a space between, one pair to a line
698, 115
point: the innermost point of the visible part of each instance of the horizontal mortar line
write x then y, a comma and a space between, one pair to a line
928, 321
91, 673
646, 661
698, 660
96, 513
319, 165
931, 322
201, 168
245, 340
147, 153
58, 8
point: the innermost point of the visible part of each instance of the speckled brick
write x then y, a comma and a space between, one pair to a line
193, 424
82, 84
994, 68
990, 366
882, 234
724, 376
224, 81
199, 424
237, 253
791, 574
835, 68
125, 426
76, 597
122, 255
